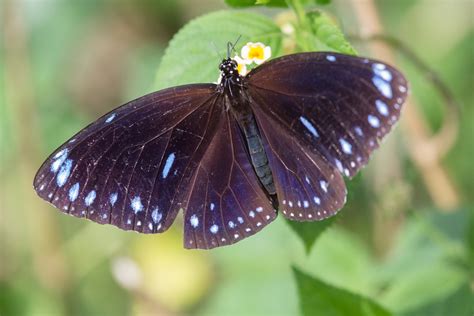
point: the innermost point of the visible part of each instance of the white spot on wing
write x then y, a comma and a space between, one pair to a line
346, 146
317, 200
59, 158
64, 173
194, 221
168, 164
231, 224
74, 192
383, 86
373, 121
212, 206
252, 214
339, 165
60, 153
156, 216
110, 118
324, 185
90, 198
347, 172
382, 71
331, 58
381, 107
113, 198
136, 204
214, 229
309, 126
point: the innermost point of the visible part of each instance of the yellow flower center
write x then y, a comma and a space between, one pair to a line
256, 52
240, 68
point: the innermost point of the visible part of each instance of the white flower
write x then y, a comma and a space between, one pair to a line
256, 52
241, 65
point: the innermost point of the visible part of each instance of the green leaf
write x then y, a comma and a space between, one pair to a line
427, 262
191, 56
323, 2
308, 232
319, 298
326, 34
251, 3
422, 285
470, 240
459, 303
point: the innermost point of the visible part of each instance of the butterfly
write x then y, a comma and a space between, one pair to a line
230, 155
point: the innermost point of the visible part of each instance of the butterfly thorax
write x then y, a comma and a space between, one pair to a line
238, 102
230, 80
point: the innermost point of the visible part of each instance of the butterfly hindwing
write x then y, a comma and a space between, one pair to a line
132, 167
340, 106
227, 202
308, 188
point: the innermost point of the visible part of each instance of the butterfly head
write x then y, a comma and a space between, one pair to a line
229, 73
228, 67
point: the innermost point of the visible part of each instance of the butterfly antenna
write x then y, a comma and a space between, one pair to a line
216, 50
236, 41
229, 49
231, 46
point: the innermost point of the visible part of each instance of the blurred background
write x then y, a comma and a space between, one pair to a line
405, 237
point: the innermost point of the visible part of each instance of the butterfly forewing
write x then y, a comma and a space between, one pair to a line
132, 167
227, 202
339, 106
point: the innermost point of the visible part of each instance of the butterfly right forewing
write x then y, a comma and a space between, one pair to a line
337, 105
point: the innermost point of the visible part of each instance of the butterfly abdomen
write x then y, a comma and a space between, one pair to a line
258, 157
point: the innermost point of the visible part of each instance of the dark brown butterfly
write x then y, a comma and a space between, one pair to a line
229, 154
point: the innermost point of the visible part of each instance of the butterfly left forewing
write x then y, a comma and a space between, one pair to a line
132, 167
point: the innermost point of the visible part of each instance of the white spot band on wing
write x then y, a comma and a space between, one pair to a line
168, 164
309, 126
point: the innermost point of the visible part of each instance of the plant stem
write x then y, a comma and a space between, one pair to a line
302, 29
299, 10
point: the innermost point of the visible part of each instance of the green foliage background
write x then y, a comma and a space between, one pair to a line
391, 251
